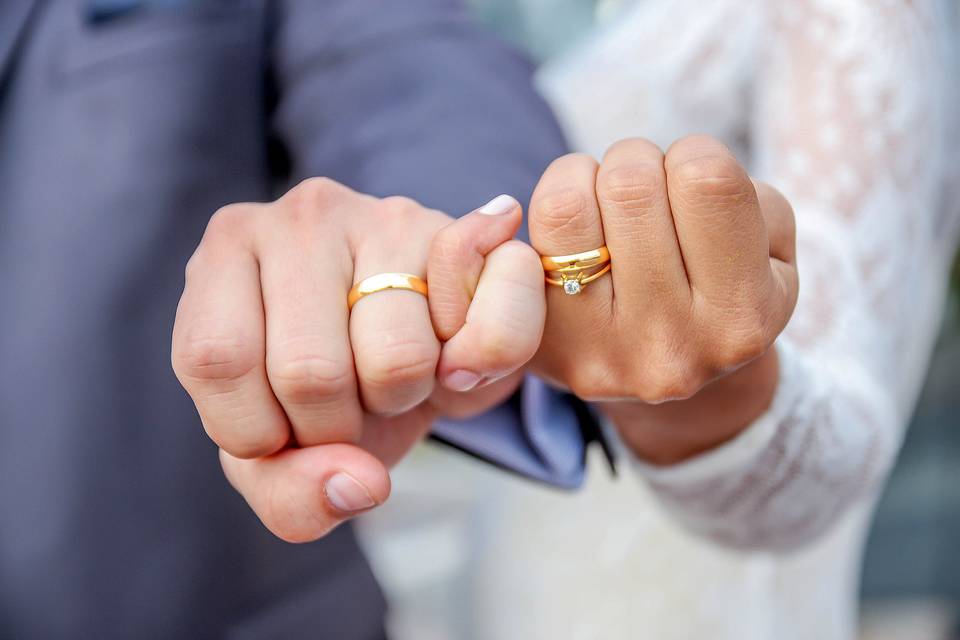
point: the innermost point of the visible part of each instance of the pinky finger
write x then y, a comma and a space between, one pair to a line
504, 323
781, 233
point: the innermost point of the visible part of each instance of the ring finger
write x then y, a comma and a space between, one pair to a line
394, 345
565, 219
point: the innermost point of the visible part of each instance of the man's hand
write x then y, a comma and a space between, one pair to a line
676, 340
311, 403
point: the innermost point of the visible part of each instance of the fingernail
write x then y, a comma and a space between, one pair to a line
499, 205
346, 494
461, 380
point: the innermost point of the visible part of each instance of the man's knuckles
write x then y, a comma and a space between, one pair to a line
212, 357
307, 378
313, 198
395, 358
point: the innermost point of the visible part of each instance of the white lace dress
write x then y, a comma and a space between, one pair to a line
850, 108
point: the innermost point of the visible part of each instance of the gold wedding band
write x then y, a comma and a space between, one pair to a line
575, 261
384, 281
576, 270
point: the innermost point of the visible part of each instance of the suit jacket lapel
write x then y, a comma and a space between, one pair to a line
14, 15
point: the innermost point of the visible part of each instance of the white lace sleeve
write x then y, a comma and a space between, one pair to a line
853, 119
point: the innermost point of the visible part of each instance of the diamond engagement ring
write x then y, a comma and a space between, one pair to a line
576, 270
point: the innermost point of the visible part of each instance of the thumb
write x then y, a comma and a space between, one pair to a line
486, 296
302, 494
504, 323
457, 257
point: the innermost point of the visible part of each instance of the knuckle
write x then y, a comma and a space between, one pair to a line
712, 177
693, 146
309, 378
194, 264
248, 444
633, 147
572, 165
631, 187
212, 358
585, 389
450, 247
399, 207
526, 272
562, 210
671, 372
312, 197
229, 220
505, 348
318, 190
397, 361
595, 380
680, 384
661, 391
226, 229
743, 346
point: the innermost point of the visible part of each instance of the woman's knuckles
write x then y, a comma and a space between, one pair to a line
741, 345
659, 387
716, 180
631, 187
597, 378
562, 214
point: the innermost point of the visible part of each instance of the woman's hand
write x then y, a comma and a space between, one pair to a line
310, 402
675, 343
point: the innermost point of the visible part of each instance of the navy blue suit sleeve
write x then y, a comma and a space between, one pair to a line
410, 98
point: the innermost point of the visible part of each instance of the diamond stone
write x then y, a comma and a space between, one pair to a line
571, 287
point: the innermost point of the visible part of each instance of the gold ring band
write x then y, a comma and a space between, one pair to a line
575, 261
573, 269
384, 281
583, 265
568, 283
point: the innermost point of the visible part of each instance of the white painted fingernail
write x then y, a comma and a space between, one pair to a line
347, 494
461, 380
498, 206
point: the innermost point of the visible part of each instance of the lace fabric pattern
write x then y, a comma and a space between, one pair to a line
848, 107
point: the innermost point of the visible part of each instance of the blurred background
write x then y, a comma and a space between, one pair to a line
911, 578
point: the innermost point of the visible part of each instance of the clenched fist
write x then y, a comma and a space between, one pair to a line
675, 341
311, 402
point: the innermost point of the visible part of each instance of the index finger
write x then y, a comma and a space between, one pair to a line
218, 342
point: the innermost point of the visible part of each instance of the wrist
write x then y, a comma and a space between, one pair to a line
674, 431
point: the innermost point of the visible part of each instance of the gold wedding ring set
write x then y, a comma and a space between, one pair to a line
571, 272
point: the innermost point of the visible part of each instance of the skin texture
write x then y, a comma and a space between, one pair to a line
675, 345
310, 403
